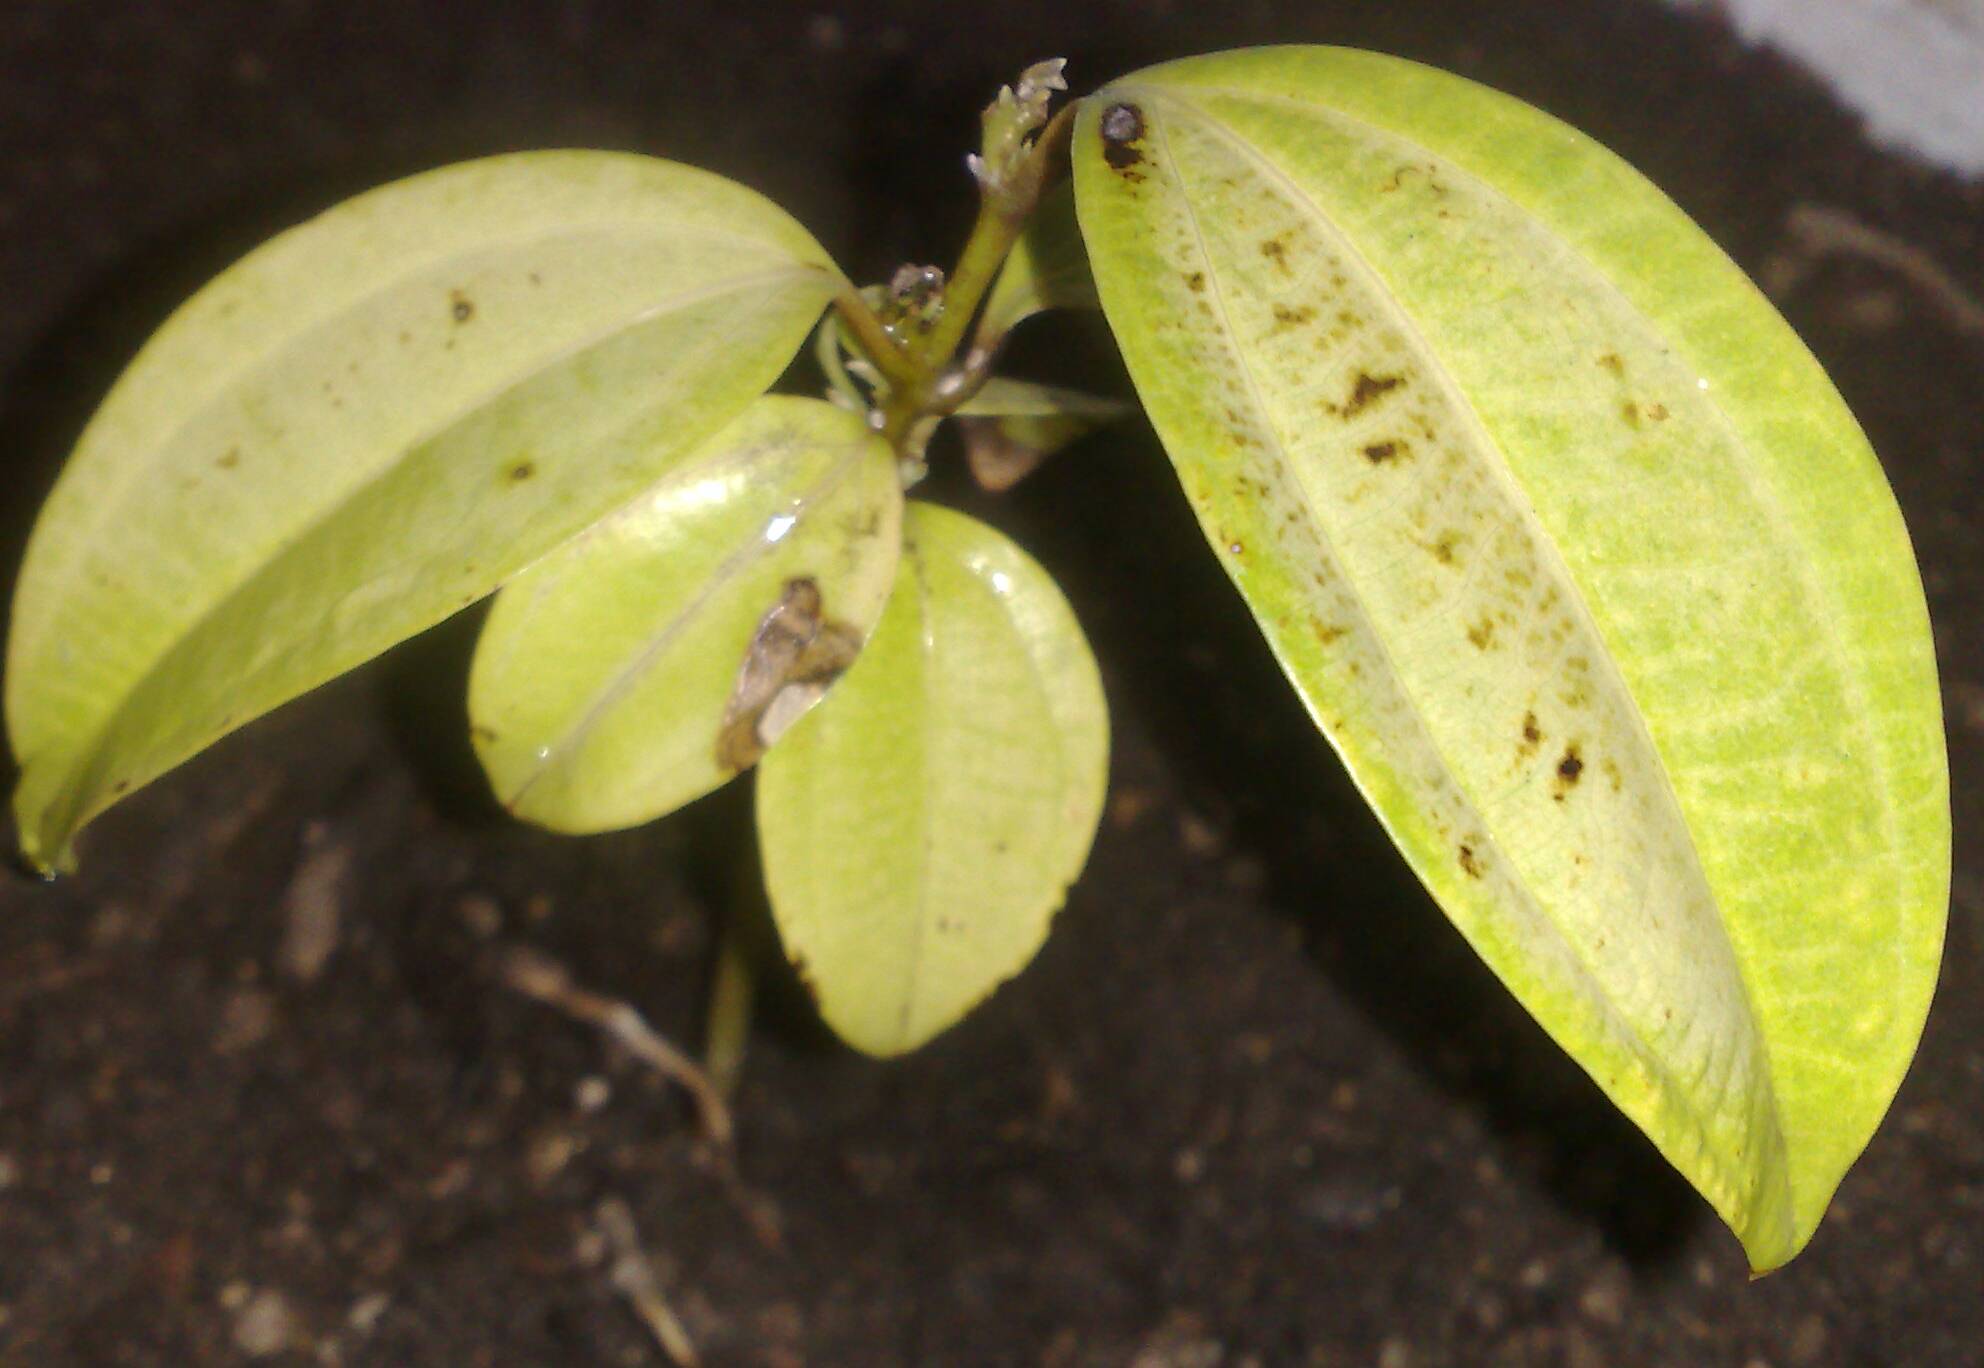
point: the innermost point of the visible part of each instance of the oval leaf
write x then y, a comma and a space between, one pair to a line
1578, 560
368, 423
659, 653
922, 826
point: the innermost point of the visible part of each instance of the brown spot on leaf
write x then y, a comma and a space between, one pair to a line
1289, 318
521, 471
1482, 634
460, 306
1122, 128
1568, 771
1276, 250
795, 654
1630, 411
1368, 387
121, 786
1197, 281
1377, 453
1329, 633
229, 459
1611, 361
1470, 864
1657, 411
1531, 732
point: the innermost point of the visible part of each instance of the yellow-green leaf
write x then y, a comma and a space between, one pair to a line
1577, 559
368, 423
658, 653
921, 826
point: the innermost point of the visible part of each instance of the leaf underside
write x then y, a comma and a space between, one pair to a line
649, 659
1579, 562
367, 424
921, 826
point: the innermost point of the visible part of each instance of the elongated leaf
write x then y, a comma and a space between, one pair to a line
921, 826
1576, 558
653, 657
1047, 269
368, 423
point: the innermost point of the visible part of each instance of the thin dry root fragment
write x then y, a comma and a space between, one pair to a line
536, 975
633, 1278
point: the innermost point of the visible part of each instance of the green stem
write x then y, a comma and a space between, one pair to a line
926, 378
733, 993
889, 357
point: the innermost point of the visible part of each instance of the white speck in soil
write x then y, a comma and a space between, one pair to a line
265, 1325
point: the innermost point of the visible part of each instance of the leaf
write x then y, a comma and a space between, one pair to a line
365, 425
657, 654
1580, 563
1047, 268
921, 827
1011, 426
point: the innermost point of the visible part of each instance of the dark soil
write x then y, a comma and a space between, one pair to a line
1254, 1105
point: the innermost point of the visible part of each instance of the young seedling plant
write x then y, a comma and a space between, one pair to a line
1566, 543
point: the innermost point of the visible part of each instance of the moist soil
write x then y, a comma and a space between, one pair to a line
261, 1094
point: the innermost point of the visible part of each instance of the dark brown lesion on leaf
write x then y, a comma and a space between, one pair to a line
1532, 735
1569, 769
460, 307
521, 471
1293, 317
794, 656
1196, 282
1482, 634
1470, 863
1611, 361
1275, 249
1368, 388
1122, 130
1377, 453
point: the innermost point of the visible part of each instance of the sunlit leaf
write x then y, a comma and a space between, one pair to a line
368, 423
1048, 268
1578, 560
657, 654
921, 826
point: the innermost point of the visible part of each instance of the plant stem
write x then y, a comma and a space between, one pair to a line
733, 993
926, 378
889, 357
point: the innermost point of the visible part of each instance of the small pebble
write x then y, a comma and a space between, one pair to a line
481, 915
246, 1019
366, 1311
592, 1094
1604, 1299
264, 1326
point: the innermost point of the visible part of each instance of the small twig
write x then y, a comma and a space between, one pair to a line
633, 1278
538, 976
1821, 229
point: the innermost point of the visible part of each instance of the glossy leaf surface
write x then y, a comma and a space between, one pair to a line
922, 825
1578, 560
368, 423
658, 653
